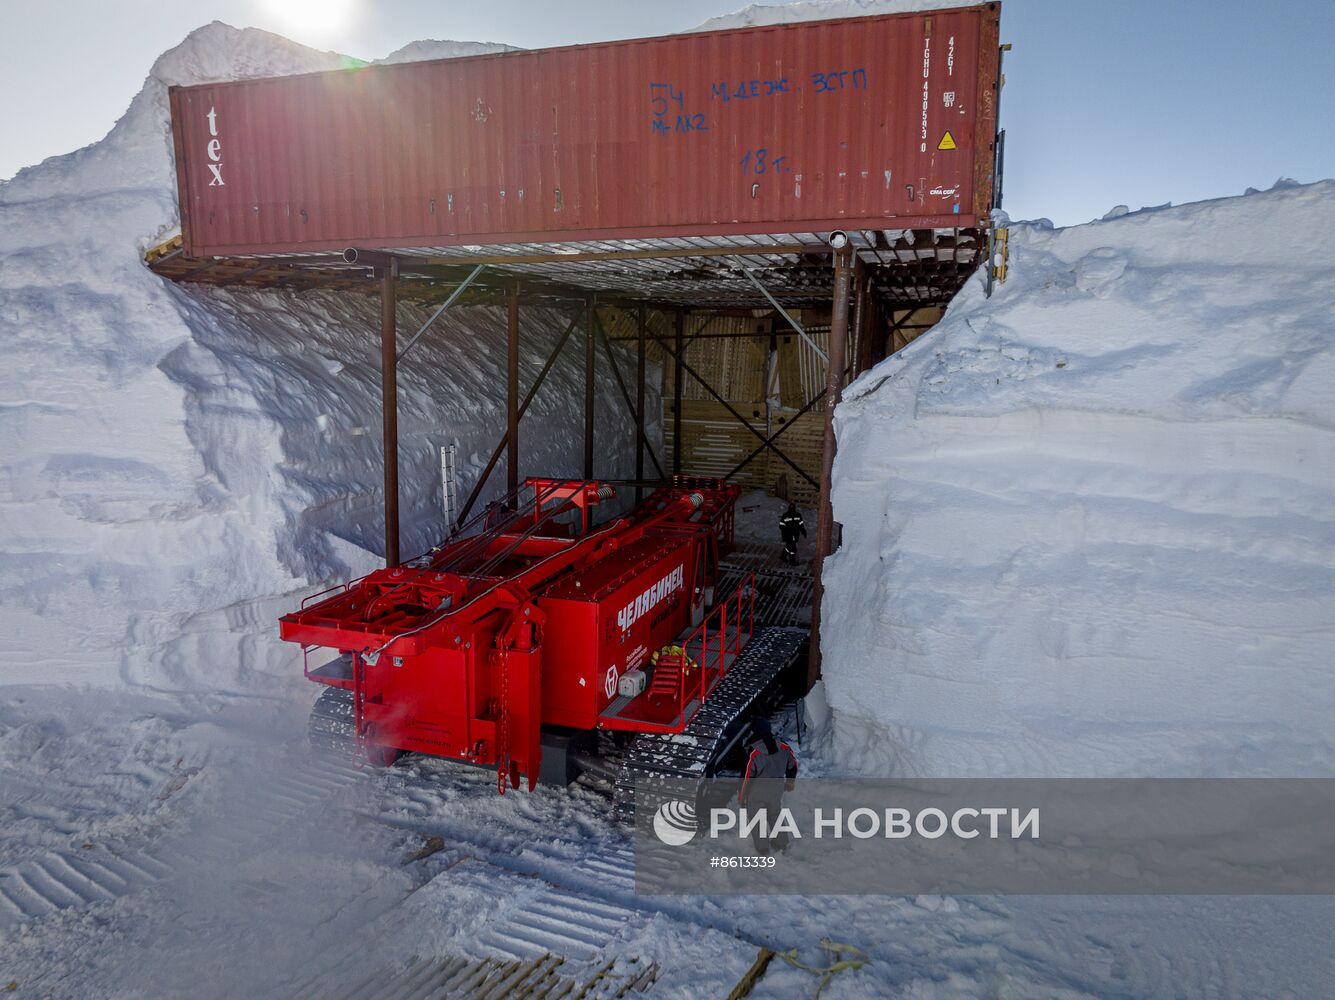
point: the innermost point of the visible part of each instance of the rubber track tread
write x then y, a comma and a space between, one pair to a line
751, 686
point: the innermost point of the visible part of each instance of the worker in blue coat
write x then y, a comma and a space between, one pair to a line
791, 528
771, 770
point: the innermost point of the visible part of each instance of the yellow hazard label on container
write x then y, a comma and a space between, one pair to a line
947, 142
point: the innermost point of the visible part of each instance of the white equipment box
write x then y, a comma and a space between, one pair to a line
632, 682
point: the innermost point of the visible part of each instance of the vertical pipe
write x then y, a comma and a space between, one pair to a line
676, 392
639, 407
834, 384
858, 326
389, 409
588, 388
512, 394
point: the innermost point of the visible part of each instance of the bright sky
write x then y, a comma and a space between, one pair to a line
1107, 102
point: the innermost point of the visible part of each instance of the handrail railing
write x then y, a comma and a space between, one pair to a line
742, 601
310, 599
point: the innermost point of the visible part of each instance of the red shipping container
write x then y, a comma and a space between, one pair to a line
884, 122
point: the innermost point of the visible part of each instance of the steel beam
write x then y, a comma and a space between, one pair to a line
834, 385
656, 338
523, 408
868, 314
662, 253
639, 404
389, 409
453, 297
784, 313
854, 344
589, 387
676, 392
642, 441
238, 278
512, 394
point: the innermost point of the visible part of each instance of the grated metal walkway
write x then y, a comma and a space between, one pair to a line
783, 592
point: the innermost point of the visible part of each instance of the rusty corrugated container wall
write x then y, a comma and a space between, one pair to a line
870, 122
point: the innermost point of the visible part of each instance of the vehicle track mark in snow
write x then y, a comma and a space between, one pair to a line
543, 977
558, 921
577, 914
57, 881
22, 897
65, 879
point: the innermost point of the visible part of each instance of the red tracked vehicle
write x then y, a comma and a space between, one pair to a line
516, 642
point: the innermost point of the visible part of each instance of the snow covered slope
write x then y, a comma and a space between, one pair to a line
1089, 524
176, 460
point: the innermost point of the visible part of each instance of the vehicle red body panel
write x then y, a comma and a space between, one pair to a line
470, 650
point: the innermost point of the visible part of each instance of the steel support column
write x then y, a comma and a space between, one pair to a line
834, 384
523, 408
639, 404
858, 325
676, 392
625, 397
389, 408
869, 319
512, 395
589, 334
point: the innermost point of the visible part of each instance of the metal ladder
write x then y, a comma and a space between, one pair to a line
449, 497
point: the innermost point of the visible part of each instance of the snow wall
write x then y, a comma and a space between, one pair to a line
178, 462
1089, 523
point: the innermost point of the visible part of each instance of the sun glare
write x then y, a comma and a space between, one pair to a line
317, 22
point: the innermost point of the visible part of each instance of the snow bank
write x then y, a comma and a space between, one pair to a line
431, 48
179, 460
1089, 524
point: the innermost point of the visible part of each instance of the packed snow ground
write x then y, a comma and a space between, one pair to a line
155, 848
179, 463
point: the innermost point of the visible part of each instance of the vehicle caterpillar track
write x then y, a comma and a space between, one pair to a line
716, 735
711, 744
544, 646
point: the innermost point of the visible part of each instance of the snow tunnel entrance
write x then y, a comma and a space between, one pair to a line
720, 355
719, 249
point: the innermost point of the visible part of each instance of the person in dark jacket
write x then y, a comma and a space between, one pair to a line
771, 769
791, 528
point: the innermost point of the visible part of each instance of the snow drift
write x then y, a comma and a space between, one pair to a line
1089, 524
178, 460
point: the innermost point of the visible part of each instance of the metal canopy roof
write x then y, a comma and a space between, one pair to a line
920, 267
